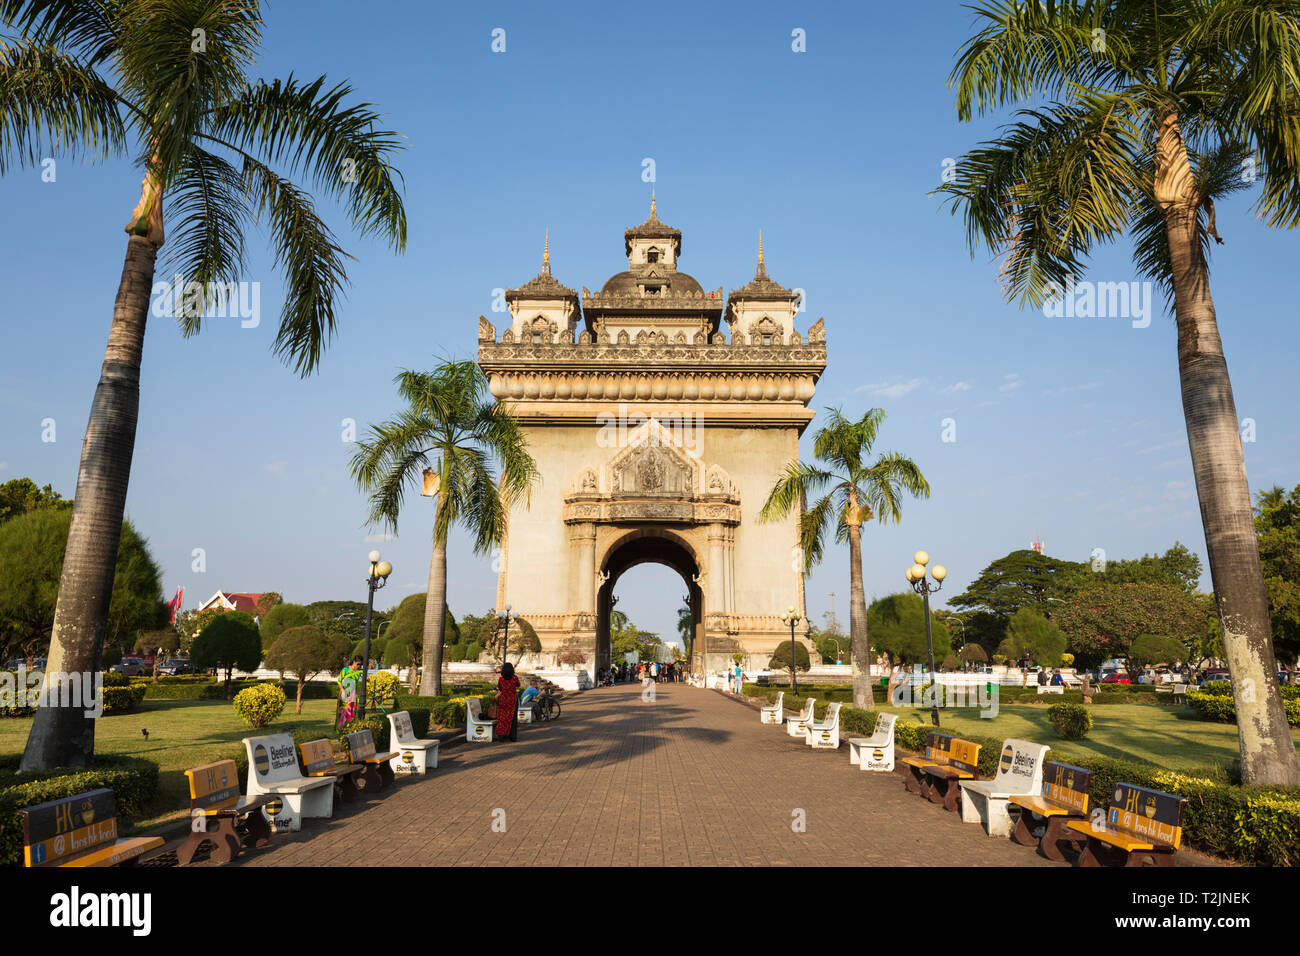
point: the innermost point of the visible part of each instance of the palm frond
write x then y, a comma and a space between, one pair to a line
308, 129
208, 215
311, 259
1033, 48
54, 105
795, 484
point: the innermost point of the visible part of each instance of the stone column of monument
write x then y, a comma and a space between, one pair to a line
616, 391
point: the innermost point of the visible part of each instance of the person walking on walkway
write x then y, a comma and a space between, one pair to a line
507, 703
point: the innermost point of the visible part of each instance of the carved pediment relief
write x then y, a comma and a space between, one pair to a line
652, 470
718, 482
587, 482
486, 330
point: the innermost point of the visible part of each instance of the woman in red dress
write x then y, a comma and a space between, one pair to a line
507, 703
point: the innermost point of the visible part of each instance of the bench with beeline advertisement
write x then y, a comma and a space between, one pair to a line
1141, 825
80, 830
1064, 798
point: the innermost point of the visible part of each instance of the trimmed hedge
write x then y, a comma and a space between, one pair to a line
1070, 721
1214, 702
120, 700
133, 780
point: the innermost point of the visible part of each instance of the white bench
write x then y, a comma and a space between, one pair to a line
273, 769
1051, 688
414, 754
794, 724
877, 751
1020, 773
478, 729
824, 734
771, 713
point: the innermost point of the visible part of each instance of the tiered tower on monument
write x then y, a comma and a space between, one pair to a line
659, 415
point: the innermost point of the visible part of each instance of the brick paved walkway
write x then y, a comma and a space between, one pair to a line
689, 779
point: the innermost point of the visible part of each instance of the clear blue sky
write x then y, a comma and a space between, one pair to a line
1070, 429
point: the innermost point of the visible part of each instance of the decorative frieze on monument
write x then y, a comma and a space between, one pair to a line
659, 415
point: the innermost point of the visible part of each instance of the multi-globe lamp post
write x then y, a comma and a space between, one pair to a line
379, 572
505, 616
916, 577
791, 618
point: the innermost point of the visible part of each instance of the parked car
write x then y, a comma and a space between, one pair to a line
1115, 677
132, 667
175, 665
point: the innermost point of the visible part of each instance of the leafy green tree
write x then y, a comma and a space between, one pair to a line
130, 78
686, 627
279, 619
452, 429
405, 634
1021, 579
1104, 621
305, 651
973, 653
1277, 526
897, 623
229, 641
157, 643
853, 492
32, 547
21, 495
1178, 567
1138, 118
1148, 649
781, 658
1032, 636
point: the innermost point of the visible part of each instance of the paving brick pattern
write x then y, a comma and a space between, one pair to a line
689, 779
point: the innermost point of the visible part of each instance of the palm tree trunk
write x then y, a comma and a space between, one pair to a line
64, 736
1268, 754
435, 618
863, 699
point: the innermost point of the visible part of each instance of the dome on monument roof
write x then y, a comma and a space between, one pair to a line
628, 283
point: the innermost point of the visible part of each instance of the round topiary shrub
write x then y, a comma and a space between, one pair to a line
260, 704
1071, 721
382, 688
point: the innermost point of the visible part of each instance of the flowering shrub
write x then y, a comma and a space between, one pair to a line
260, 704
382, 687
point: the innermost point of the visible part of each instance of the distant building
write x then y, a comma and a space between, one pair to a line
233, 601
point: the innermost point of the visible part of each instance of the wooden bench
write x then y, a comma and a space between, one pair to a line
319, 759
1020, 773
215, 797
414, 754
942, 778
877, 751
478, 729
1064, 797
1140, 823
273, 769
360, 749
80, 830
794, 724
772, 713
824, 734
936, 751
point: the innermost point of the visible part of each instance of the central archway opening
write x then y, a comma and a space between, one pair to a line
649, 546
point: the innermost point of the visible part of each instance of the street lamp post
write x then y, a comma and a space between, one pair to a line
916, 578
791, 618
379, 572
505, 641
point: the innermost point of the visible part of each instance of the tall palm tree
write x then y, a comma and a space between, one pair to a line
686, 626
1156, 109
451, 429
167, 82
854, 493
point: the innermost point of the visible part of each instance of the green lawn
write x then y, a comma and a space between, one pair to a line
1170, 737
182, 734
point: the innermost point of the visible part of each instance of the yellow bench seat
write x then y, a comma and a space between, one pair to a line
1039, 806
1117, 838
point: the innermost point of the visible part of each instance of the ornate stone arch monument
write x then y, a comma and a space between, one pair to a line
659, 415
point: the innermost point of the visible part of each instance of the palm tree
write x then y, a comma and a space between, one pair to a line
448, 432
686, 626
166, 82
1156, 109
855, 493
